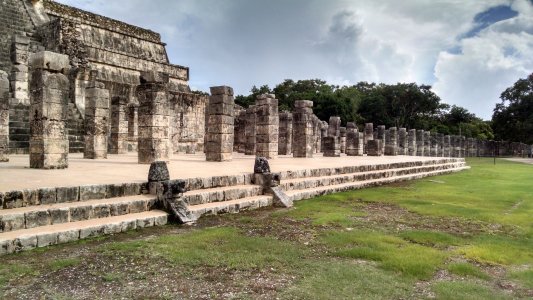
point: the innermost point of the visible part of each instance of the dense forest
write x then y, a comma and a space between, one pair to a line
407, 105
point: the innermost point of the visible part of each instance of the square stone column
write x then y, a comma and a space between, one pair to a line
403, 148
332, 143
440, 145
381, 136
249, 131
420, 149
240, 129
302, 129
118, 141
411, 142
334, 128
19, 70
152, 93
343, 139
427, 143
4, 117
49, 98
369, 134
462, 142
354, 146
133, 126
285, 133
220, 125
267, 126
391, 142
96, 121
323, 133
374, 147
317, 134
447, 146
434, 144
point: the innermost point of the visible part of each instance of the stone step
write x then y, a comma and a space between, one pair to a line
363, 168
312, 182
198, 183
231, 206
52, 214
219, 194
26, 239
307, 193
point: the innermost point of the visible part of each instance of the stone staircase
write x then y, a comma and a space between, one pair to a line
44, 217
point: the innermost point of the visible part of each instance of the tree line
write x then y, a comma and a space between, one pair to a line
406, 105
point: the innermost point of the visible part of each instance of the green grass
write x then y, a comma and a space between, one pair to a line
497, 249
525, 277
335, 209
347, 280
392, 252
64, 263
466, 269
216, 247
452, 290
430, 238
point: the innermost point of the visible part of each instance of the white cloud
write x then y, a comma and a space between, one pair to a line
488, 64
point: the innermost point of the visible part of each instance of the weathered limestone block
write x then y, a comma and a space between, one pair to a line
249, 131
19, 72
391, 140
447, 146
420, 143
334, 128
133, 125
4, 117
220, 124
239, 144
381, 136
374, 147
48, 111
285, 133
427, 143
119, 124
354, 143
434, 147
267, 126
462, 142
302, 128
317, 132
323, 133
369, 134
343, 139
403, 148
332, 146
96, 121
152, 93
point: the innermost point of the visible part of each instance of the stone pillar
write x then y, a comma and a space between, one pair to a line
133, 125
302, 129
249, 131
420, 143
323, 133
285, 133
446, 146
374, 148
118, 140
381, 136
402, 142
427, 143
267, 126
4, 117
343, 139
153, 114
462, 142
19, 71
369, 134
332, 147
240, 128
317, 132
353, 144
434, 147
96, 121
440, 143
220, 124
411, 143
49, 92
391, 141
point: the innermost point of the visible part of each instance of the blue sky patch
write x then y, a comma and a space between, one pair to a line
490, 16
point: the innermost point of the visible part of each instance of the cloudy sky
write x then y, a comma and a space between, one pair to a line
468, 50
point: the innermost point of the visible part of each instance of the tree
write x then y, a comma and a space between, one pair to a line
513, 117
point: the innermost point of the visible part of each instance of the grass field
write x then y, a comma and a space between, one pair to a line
462, 236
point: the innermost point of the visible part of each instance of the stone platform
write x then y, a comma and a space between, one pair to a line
39, 208
123, 168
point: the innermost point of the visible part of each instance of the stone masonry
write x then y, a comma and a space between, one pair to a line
4, 117
118, 141
427, 143
19, 71
353, 145
249, 131
332, 145
96, 121
420, 143
267, 126
411, 142
133, 126
343, 139
369, 134
220, 132
152, 93
403, 148
391, 142
49, 91
285, 133
303, 138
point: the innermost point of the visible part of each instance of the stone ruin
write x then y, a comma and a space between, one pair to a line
101, 86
